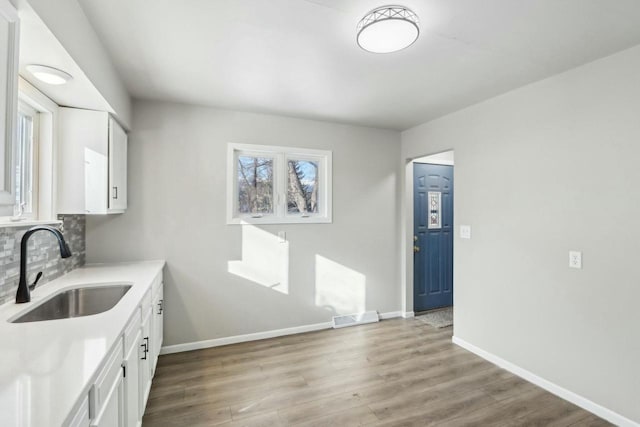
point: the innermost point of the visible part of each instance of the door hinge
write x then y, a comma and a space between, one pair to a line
124, 371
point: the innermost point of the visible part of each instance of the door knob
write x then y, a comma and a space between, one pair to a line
416, 249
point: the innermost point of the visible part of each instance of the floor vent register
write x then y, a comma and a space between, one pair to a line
355, 319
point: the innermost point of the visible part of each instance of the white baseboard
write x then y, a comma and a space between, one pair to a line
570, 396
390, 315
217, 342
408, 314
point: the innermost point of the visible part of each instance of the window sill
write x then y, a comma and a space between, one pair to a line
27, 223
279, 220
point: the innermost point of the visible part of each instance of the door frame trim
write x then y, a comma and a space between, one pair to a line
406, 232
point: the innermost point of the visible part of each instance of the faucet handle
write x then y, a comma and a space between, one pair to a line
35, 282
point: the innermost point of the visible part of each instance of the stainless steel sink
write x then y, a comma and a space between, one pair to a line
76, 302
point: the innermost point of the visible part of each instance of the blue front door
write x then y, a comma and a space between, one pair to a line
433, 236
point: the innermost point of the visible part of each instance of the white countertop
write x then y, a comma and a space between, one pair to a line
46, 366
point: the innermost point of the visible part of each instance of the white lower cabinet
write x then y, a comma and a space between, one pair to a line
133, 415
131, 366
157, 326
112, 412
119, 395
106, 398
144, 372
80, 416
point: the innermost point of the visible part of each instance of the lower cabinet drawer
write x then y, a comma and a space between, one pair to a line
112, 369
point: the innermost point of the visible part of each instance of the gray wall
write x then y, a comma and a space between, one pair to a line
541, 170
177, 200
43, 254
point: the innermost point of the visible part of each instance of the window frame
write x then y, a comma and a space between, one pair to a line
45, 168
281, 156
27, 108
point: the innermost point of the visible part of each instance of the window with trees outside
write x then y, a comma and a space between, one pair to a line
275, 185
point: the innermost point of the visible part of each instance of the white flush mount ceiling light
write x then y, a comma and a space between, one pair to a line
388, 29
49, 75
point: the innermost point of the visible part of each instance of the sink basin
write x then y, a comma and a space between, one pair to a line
76, 302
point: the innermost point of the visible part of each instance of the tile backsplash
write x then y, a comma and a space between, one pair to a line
43, 252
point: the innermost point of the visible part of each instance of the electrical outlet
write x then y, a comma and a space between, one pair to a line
575, 259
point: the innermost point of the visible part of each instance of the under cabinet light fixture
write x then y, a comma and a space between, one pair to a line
388, 29
50, 75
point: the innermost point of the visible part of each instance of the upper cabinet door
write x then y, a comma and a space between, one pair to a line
92, 163
9, 37
117, 167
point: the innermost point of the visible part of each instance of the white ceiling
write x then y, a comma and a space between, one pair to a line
300, 58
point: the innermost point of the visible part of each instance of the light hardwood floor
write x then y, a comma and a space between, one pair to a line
393, 373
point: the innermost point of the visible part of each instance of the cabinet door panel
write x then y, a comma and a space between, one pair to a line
112, 413
81, 417
131, 383
95, 182
158, 320
111, 372
144, 366
117, 166
82, 186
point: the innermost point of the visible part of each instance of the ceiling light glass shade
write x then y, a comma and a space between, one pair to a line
388, 29
49, 75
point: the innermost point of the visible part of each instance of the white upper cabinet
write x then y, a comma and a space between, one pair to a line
117, 166
92, 163
9, 36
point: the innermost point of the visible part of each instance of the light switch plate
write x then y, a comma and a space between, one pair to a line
465, 231
575, 259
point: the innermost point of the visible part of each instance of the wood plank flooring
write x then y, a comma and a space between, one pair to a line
398, 372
